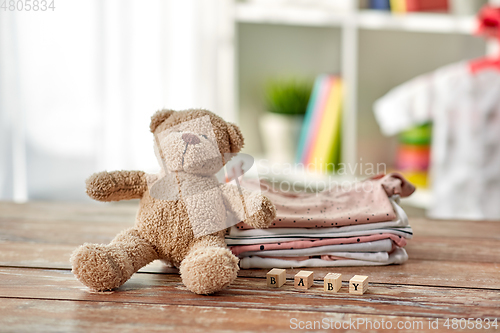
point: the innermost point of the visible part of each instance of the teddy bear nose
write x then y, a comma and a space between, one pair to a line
190, 139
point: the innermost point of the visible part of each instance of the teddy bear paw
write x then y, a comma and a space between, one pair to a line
264, 216
95, 268
208, 270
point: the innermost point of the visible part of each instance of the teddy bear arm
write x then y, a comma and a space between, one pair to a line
263, 213
252, 208
116, 185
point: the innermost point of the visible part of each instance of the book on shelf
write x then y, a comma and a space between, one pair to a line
380, 4
319, 142
313, 115
317, 118
405, 6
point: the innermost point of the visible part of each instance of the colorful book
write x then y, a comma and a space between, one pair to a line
426, 5
328, 134
335, 151
312, 126
380, 4
405, 6
316, 95
398, 6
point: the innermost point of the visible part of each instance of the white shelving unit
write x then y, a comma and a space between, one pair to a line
364, 19
350, 21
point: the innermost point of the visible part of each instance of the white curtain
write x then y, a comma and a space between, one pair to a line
79, 84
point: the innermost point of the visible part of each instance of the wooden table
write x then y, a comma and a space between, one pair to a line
453, 272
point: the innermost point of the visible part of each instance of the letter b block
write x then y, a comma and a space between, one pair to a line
276, 277
358, 284
333, 282
304, 280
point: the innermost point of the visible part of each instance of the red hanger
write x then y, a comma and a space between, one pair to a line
480, 64
488, 20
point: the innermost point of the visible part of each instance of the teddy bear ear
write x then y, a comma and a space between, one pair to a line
235, 137
158, 118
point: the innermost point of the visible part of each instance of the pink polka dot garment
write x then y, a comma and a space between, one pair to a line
362, 203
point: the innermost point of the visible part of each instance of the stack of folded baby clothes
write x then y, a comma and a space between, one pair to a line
359, 225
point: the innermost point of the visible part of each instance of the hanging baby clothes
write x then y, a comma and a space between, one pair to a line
464, 107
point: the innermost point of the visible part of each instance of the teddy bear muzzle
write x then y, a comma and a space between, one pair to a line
190, 139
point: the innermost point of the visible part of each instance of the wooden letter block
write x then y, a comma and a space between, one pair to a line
358, 284
276, 277
333, 282
304, 280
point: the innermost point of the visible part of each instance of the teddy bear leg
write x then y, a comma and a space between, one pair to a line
106, 267
209, 266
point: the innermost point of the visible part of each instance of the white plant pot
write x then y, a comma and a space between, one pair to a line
280, 136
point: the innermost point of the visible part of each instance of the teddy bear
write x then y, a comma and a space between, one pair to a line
183, 210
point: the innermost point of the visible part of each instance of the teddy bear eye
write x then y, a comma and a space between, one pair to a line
203, 135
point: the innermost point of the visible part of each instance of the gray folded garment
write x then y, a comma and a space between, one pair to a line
398, 256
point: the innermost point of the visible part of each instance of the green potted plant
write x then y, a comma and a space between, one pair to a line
286, 103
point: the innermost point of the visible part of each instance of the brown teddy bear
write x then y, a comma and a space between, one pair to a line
176, 222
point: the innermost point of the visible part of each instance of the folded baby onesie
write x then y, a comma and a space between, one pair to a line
398, 256
369, 256
406, 232
304, 244
362, 203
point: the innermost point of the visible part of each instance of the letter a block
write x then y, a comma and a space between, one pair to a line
358, 284
333, 282
276, 277
304, 280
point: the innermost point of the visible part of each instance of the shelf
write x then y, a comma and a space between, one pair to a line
364, 19
289, 15
416, 22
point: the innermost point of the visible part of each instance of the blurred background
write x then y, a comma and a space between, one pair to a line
80, 81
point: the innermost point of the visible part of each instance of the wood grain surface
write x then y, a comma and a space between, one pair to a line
453, 272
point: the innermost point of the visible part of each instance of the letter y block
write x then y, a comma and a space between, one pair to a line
358, 284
